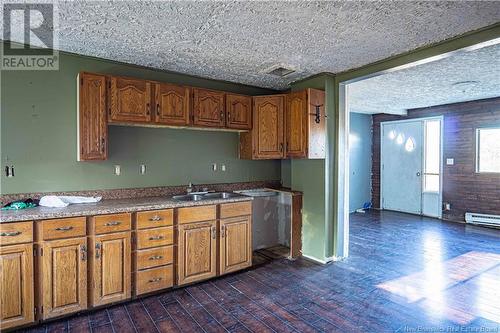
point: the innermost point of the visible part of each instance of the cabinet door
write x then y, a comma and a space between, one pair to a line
235, 244
110, 268
130, 100
64, 276
208, 108
172, 104
16, 285
268, 112
197, 251
238, 111
92, 125
296, 124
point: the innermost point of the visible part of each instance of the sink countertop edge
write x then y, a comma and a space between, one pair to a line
110, 206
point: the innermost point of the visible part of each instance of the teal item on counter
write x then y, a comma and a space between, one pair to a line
16, 205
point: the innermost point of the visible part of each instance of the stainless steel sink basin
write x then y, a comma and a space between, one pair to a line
188, 197
208, 196
220, 195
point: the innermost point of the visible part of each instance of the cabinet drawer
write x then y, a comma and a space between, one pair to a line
196, 214
155, 218
235, 209
15, 233
154, 257
103, 224
154, 279
61, 228
154, 237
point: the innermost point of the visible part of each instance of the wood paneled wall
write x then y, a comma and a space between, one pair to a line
463, 188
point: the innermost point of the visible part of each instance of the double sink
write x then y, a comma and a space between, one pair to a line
206, 196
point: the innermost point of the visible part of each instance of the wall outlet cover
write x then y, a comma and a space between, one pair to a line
142, 169
118, 170
214, 166
450, 161
223, 167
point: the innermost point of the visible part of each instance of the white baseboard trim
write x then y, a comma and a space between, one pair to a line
321, 261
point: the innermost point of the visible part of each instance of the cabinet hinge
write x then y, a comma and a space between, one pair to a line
35, 311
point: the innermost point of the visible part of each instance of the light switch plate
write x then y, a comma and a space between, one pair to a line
450, 161
223, 167
214, 166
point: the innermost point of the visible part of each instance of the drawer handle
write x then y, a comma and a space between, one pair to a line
155, 280
156, 237
156, 218
110, 224
155, 257
11, 233
64, 228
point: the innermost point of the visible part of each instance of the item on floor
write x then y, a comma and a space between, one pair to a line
16, 205
56, 201
367, 205
361, 210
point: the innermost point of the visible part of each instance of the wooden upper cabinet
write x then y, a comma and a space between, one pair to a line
235, 244
297, 125
238, 111
172, 104
197, 251
63, 277
129, 100
110, 268
92, 125
265, 140
208, 108
16, 286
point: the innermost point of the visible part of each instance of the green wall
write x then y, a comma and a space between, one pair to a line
38, 137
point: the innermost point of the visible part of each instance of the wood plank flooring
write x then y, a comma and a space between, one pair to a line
404, 274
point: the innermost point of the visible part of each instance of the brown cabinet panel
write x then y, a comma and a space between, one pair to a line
197, 251
110, 268
172, 104
154, 218
235, 209
129, 100
61, 228
297, 125
16, 286
92, 122
238, 111
63, 276
154, 279
265, 140
208, 108
154, 237
235, 244
16, 233
196, 214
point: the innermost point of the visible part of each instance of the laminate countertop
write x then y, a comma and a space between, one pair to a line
107, 207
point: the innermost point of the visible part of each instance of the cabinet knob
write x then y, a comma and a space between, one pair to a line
64, 228
156, 218
155, 237
158, 279
155, 257
113, 223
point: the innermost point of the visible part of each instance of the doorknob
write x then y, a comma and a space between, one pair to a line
418, 174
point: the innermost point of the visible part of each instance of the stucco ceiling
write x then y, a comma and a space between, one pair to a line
239, 40
464, 76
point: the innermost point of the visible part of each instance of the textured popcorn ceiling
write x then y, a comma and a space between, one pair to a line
239, 40
434, 83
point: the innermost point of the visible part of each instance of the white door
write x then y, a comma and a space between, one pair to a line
401, 158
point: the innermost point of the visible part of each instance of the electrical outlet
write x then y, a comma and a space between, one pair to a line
214, 167
447, 206
118, 170
223, 167
142, 169
450, 161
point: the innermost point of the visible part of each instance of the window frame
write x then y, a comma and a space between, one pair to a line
478, 144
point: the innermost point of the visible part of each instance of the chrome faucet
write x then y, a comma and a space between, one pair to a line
189, 188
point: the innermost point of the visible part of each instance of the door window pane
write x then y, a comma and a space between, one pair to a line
488, 141
432, 145
431, 183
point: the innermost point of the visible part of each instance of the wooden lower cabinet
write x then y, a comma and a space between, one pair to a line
197, 251
63, 277
16, 285
235, 244
110, 268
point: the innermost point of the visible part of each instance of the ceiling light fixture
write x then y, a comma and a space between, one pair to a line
465, 86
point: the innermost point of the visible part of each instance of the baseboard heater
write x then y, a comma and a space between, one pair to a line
484, 219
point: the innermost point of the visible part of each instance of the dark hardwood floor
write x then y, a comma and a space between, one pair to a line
404, 274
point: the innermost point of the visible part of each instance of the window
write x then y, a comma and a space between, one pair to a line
432, 155
488, 150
